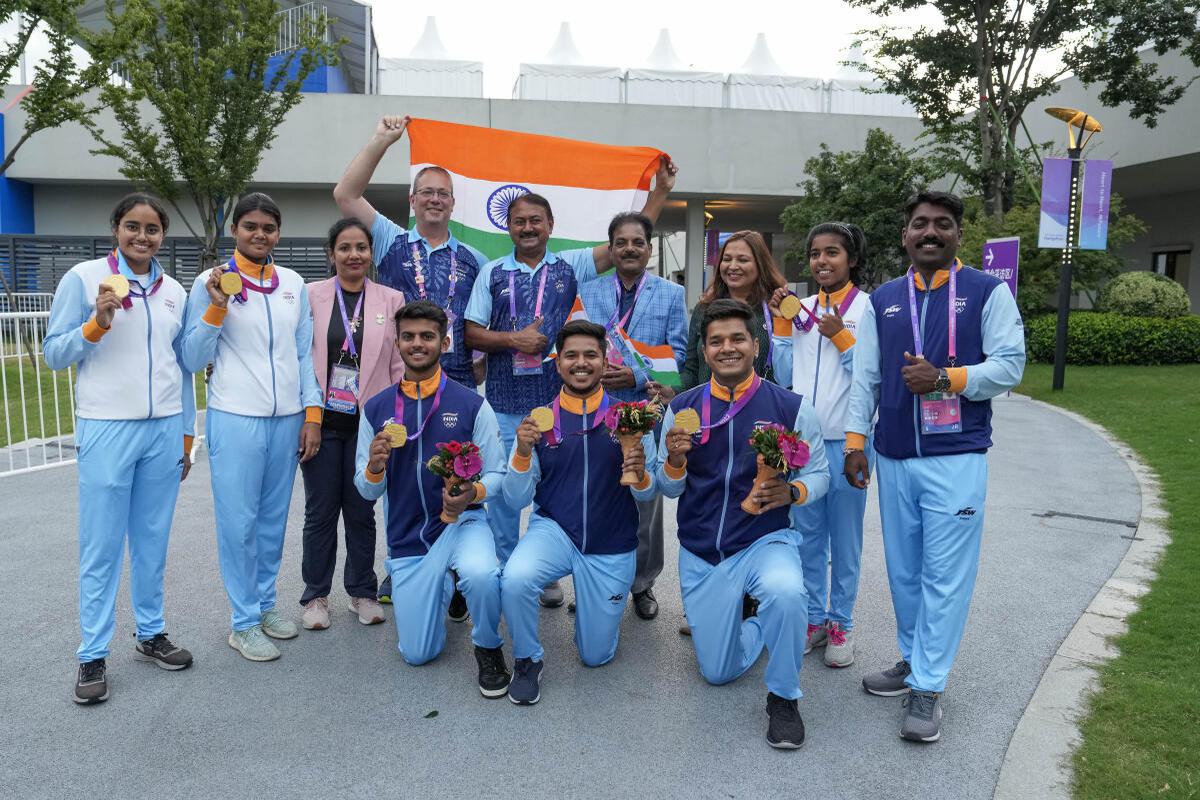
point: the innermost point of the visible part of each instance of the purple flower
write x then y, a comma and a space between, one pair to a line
795, 451
612, 417
468, 465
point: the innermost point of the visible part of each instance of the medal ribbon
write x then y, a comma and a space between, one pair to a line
556, 435
807, 324
731, 412
246, 284
348, 345
512, 295
135, 288
952, 323
437, 399
770, 335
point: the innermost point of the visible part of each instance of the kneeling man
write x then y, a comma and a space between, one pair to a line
584, 524
400, 430
724, 551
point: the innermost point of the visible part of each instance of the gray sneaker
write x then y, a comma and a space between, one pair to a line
552, 595
275, 626
252, 644
839, 650
818, 636
889, 682
923, 720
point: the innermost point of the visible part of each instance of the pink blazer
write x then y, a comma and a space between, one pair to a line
379, 362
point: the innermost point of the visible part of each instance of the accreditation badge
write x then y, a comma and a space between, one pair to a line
343, 389
940, 413
527, 363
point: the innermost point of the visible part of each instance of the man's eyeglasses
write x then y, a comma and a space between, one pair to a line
429, 194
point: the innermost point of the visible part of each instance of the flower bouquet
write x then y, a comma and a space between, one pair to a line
779, 450
457, 463
629, 422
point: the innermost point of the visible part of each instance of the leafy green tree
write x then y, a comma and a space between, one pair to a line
973, 76
867, 187
199, 102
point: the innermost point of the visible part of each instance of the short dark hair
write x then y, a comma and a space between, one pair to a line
431, 168
422, 309
951, 202
345, 224
853, 239
725, 308
531, 198
628, 217
257, 201
581, 327
131, 201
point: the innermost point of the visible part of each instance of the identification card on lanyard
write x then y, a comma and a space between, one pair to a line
342, 396
618, 325
451, 315
525, 363
941, 412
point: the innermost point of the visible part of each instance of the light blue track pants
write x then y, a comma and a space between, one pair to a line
129, 474
422, 588
831, 537
504, 519
932, 513
601, 582
253, 462
726, 646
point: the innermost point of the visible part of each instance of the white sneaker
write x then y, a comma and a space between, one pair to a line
368, 609
316, 614
839, 652
817, 637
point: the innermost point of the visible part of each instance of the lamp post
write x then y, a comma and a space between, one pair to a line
1087, 126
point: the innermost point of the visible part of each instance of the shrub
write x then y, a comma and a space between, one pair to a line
1144, 294
1110, 338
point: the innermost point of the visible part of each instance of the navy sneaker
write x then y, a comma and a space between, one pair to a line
526, 686
385, 591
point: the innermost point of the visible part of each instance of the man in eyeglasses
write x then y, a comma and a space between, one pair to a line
417, 262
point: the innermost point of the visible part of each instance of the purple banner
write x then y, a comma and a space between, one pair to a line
1000, 258
1056, 202
1097, 191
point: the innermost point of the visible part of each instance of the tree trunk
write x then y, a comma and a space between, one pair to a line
989, 162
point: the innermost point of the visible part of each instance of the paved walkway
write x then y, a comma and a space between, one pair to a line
341, 715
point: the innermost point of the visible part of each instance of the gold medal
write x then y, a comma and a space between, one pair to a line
543, 417
689, 420
231, 283
119, 284
397, 433
789, 307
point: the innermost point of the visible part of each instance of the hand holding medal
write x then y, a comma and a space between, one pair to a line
113, 291
679, 438
529, 432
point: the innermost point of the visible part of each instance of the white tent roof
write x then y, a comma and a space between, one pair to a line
847, 72
564, 51
430, 44
429, 72
663, 55
760, 61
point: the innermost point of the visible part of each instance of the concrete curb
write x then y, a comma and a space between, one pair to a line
1038, 760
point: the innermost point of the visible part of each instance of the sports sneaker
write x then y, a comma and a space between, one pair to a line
493, 672
526, 686
552, 595
385, 591
818, 636
316, 614
274, 625
685, 629
368, 609
159, 650
785, 729
253, 645
888, 682
458, 608
839, 651
923, 720
91, 685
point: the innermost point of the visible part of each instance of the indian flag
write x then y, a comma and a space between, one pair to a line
586, 183
658, 360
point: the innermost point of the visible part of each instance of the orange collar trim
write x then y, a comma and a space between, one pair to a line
721, 393
939, 278
427, 386
578, 405
260, 272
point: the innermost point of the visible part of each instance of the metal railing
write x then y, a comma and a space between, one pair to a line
294, 22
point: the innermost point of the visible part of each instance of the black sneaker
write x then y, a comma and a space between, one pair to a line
493, 672
159, 650
91, 685
785, 729
458, 608
749, 607
526, 686
384, 595
645, 604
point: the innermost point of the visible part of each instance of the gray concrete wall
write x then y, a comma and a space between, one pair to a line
1174, 225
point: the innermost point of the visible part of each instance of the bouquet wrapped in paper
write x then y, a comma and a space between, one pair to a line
629, 422
779, 450
458, 463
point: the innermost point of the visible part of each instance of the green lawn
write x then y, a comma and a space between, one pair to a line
1141, 735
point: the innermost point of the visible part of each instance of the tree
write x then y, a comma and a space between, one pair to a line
202, 67
973, 77
867, 187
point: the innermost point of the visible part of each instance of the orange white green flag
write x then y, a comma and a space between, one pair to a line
586, 183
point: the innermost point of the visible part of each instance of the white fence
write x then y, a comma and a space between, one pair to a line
295, 22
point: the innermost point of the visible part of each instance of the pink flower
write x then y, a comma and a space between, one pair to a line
795, 451
453, 448
468, 465
612, 417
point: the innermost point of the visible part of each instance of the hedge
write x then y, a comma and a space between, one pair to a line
1144, 294
1100, 338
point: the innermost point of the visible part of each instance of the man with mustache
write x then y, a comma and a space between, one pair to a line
636, 305
586, 522
400, 429
724, 552
934, 346
517, 306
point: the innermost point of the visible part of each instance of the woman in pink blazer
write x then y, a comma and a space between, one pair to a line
350, 369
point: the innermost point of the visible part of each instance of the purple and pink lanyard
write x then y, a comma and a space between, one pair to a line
437, 400
348, 321
952, 316
135, 288
734, 407
246, 284
420, 274
614, 354
512, 295
555, 435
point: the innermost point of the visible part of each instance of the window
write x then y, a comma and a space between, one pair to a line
1174, 263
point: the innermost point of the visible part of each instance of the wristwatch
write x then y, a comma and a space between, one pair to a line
795, 493
942, 384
